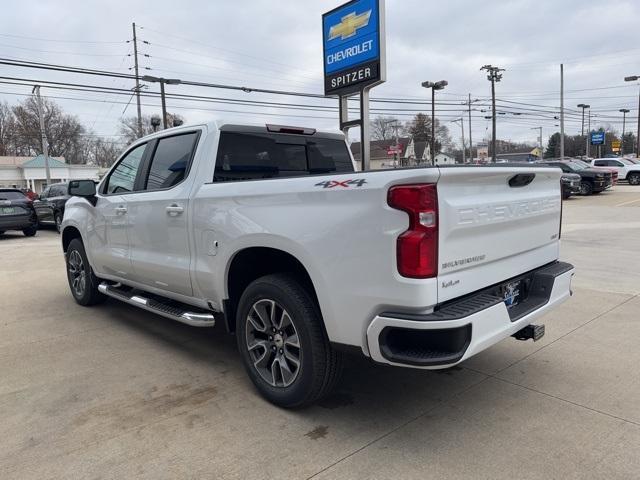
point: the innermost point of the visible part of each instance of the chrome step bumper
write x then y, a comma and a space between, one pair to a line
169, 309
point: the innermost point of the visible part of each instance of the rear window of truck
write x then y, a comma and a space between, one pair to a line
252, 156
12, 195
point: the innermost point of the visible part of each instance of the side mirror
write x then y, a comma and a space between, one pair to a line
82, 188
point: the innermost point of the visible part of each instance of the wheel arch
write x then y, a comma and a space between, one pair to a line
251, 263
68, 234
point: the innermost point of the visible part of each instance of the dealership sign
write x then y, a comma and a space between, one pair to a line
597, 138
353, 47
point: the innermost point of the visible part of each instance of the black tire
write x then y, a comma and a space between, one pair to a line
586, 188
87, 295
57, 218
319, 366
31, 231
633, 179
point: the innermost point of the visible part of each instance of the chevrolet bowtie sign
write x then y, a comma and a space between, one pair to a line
353, 44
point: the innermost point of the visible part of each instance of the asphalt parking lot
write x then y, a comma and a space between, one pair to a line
115, 392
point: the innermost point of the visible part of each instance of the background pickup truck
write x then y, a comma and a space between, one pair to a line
626, 169
271, 230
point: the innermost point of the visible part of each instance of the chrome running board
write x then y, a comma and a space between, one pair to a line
167, 308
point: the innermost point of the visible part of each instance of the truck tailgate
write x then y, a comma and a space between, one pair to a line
495, 223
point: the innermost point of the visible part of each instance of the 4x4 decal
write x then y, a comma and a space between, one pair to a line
358, 182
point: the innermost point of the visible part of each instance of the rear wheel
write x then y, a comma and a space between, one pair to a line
31, 231
586, 188
82, 282
284, 348
634, 179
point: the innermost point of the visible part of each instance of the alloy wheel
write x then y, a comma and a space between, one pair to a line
77, 273
273, 343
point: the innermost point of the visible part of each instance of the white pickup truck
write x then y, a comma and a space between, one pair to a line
626, 169
272, 230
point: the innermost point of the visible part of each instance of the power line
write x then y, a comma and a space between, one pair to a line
57, 40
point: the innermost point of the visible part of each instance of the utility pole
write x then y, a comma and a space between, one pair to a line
135, 65
624, 112
493, 75
584, 106
633, 78
540, 141
45, 144
470, 138
561, 111
589, 134
461, 120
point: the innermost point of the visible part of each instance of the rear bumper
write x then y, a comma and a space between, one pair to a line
17, 222
459, 329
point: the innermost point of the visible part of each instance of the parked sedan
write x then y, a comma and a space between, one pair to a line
17, 212
591, 180
50, 206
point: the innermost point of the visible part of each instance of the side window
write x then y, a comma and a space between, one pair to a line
171, 160
123, 177
328, 155
45, 192
600, 163
616, 163
251, 156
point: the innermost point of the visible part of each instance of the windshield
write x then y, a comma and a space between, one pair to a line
11, 195
575, 166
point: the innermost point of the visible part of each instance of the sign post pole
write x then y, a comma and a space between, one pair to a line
353, 45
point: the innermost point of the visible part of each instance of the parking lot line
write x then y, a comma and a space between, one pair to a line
628, 203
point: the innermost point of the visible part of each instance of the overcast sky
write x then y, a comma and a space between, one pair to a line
277, 45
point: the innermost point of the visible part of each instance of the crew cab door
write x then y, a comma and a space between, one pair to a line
609, 165
44, 211
159, 215
108, 241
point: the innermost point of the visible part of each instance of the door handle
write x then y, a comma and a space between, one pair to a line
121, 210
174, 210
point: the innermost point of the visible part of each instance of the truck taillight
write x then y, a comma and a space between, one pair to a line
417, 248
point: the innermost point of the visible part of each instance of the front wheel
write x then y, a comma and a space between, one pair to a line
82, 282
284, 348
586, 188
31, 231
634, 179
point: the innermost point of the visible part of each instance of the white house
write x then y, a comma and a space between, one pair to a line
444, 159
29, 172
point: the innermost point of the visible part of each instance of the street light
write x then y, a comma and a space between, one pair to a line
583, 106
624, 112
634, 78
162, 82
434, 86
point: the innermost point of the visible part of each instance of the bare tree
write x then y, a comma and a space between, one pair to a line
384, 128
64, 132
6, 129
420, 129
129, 126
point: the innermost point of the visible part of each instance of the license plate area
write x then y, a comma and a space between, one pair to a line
512, 293
8, 211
